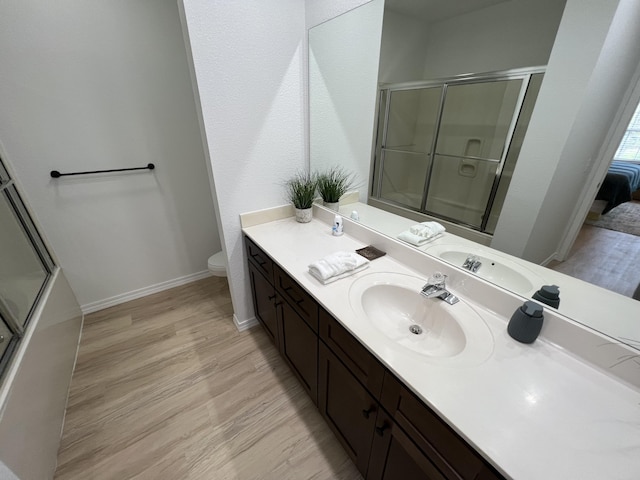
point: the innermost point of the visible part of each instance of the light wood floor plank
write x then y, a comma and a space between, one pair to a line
605, 258
165, 387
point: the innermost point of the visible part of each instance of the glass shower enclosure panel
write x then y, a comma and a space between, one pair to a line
25, 264
514, 150
405, 150
477, 120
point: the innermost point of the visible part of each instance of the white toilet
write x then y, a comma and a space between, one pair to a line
218, 265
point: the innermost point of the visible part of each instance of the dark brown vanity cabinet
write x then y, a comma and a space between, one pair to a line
388, 431
288, 314
394, 455
264, 302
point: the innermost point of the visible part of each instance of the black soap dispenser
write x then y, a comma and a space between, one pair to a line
526, 322
549, 295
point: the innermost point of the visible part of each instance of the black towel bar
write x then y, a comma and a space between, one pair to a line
57, 174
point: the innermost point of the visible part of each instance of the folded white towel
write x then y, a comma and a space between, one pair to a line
337, 265
412, 238
427, 229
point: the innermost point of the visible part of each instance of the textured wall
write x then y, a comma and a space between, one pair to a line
249, 73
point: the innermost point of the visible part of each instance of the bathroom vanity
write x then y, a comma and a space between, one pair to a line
489, 408
387, 431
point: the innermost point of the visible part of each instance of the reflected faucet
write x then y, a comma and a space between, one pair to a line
472, 263
436, 288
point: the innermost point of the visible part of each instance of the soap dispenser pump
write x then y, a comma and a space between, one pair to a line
526, 322
549, 295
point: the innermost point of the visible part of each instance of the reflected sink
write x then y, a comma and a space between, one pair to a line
495, 269
392, 304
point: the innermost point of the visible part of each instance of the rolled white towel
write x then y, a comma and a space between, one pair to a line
337, 265
427, 229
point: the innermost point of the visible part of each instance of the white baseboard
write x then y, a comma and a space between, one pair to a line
550, 258
244, 324
143, 292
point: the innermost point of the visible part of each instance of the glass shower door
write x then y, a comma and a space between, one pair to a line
405, 152
477, 120
24, 263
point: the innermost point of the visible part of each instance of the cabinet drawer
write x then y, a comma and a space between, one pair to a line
260, 259
449, 452
363, 365
298, 298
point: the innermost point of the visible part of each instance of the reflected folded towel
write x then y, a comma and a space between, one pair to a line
412, 238
427, 229
337, 265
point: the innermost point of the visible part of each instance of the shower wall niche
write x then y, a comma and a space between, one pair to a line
447, 148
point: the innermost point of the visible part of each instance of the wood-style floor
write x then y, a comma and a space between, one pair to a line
165, 387
605, 258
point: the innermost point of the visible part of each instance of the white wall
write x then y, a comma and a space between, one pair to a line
249, 73
342, 85
608, 85
578, 100
402, 53
507, 35
35, 388
86, 85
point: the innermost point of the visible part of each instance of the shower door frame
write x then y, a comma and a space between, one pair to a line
384, 97
9, 191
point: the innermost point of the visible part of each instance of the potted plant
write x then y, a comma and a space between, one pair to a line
301, 191
333, 184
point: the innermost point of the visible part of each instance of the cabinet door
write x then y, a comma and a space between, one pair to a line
299, 346
362, 364
347, 407
395, 456
447, 451
264, 296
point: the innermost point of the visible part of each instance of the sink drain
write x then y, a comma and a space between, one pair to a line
415, 329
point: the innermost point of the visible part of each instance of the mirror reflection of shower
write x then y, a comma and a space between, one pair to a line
447, 148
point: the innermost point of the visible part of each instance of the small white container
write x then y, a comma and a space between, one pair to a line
337, 226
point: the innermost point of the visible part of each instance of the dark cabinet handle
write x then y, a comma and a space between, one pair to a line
271, 297
258, 259
380, 430
286, 289
277, 304
367, 413
298, 302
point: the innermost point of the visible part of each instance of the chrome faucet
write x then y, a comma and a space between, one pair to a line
472, 263
436, 288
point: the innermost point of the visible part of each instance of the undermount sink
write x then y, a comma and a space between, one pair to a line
392, 304
495, 269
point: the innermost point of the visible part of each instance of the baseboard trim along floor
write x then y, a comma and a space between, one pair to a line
143, 292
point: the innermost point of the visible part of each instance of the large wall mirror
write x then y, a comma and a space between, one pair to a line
590, 65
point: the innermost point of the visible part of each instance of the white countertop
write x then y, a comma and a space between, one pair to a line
576, 295
534, 411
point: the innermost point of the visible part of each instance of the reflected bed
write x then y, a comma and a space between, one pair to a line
623, 178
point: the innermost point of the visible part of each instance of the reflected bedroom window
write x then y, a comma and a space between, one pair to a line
629, 149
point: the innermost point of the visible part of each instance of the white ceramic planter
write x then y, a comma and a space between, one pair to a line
303, 215
332, 205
